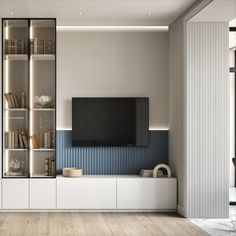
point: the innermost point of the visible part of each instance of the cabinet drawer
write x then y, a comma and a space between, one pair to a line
43, 193
15, 193
86, 193
147, 193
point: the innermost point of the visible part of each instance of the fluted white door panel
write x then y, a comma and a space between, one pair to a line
207, 117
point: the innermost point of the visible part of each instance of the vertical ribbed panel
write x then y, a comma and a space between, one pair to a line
207, 120
112, 160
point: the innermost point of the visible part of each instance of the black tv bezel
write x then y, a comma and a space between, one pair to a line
107, 143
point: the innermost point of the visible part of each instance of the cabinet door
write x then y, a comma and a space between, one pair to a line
86, 193
147, 193
42, 193
15, 193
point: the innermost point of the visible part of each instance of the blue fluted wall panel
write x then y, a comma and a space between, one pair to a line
111, 160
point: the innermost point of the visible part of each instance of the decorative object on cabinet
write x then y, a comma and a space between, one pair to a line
29, 69
146, 173
16, 167
162, 170
72, 172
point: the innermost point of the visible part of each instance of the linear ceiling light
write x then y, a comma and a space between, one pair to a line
112, 28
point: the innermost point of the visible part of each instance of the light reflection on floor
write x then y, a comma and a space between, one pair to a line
220, 227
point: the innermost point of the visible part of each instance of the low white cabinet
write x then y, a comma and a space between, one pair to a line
42, 193
15, 193
114, 193
86, 192
146, 193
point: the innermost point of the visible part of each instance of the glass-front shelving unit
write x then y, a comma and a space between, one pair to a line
29, 98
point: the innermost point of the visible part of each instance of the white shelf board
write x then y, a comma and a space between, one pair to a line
16, 57
16, 149
43, 57
16, 176
41, 176
43, 149
15, 109
43, 109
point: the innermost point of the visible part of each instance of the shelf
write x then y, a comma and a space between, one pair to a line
16, 109
43, 57
43, 149
15, 176
16, 149
31, 74
16, 57
43, 109
42, 176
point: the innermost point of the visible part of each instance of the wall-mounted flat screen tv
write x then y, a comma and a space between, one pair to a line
110, 121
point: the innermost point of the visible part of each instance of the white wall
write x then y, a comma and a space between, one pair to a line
207, 119
112, 64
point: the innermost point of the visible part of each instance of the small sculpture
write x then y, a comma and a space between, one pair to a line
16, 165
158, 172
42, 101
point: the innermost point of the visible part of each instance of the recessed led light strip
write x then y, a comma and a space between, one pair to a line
6, 91
150, 129
30, 105
112, 28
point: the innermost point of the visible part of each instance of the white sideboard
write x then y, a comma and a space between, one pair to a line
97, 192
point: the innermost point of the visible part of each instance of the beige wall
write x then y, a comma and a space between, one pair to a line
177, 108
112, 64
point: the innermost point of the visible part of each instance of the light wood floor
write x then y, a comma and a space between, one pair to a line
34, 224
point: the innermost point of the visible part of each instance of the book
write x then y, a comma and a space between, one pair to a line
16, 100
12, 100
14, 173
48, 139
12, 139
6, 139
53, 167
23, 100
25, 141
7, 96
35, 142
9, 139
46, 167
20, 140
15, 139
146, 173
49, 167
52, 139
45, 140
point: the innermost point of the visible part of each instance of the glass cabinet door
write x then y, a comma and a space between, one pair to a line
15, 98
42, 97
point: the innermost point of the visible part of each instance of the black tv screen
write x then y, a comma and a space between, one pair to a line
110, 121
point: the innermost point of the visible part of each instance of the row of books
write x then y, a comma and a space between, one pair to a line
146, 173
49, 167
13, 102
16, 139
48, 140
42, 46
15, 46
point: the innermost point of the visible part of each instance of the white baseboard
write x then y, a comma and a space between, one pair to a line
76, 210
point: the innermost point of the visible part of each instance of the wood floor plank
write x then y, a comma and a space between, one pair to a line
104, 224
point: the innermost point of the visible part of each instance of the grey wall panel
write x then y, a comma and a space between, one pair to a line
112, 160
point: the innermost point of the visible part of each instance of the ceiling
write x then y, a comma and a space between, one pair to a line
217, 10
98, 12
